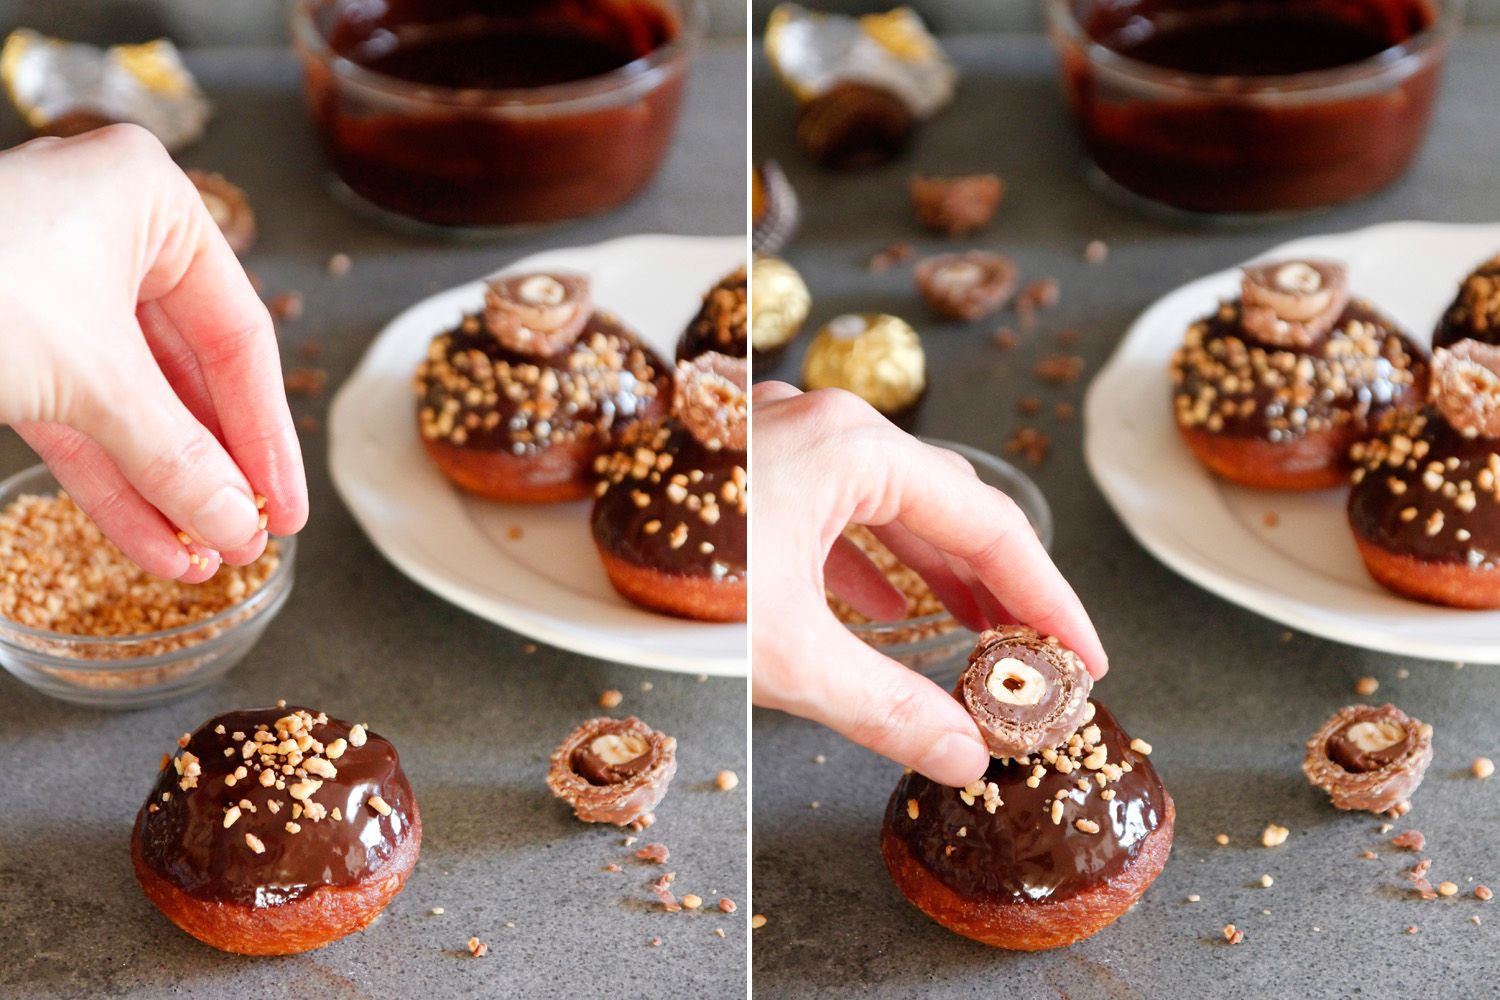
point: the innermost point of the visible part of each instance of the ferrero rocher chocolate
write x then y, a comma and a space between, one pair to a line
875, 356
864, 83
779, 303
774, 210
62, 88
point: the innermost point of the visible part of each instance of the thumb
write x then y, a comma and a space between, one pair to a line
166, 454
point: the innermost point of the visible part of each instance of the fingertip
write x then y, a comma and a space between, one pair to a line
202, 564
955, 759
246, 554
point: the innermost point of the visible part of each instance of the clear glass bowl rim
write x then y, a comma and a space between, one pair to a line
38, 479
1395, 62
570, 96
1031, 500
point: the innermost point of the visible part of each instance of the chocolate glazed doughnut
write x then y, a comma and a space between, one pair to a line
1272, 390
1425, 507
1474, 313
1044, 851
275, 831
670, 518
516, 405
721, 325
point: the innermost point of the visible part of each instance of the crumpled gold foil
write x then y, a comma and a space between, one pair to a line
813, 52
53, 82
876, 356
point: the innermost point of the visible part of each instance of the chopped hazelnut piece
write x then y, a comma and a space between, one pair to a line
1221, 839
1273, 835
726, 905
357, 736
1141, 747
1366, 686
912, 809
1483, 767
757, 921
478, 948
726, 781
1233, 934
1483, 893
610, 698
253, 842
692, 902
1266, 881
1447, 889
379, 805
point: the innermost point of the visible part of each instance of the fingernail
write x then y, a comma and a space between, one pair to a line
227, 520
954, 759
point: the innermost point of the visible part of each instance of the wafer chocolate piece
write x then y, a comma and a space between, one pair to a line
613, 771
1369, 757
537, 313
966, 286
711, 401
855, 125
1465, 387
1292, 303
956, 206
1027, 692
229, 207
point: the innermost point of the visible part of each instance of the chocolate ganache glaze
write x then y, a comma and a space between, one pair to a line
1423, 489
185, 839
672, 504
474, 392
1474, 313
1226, 382
1017, 852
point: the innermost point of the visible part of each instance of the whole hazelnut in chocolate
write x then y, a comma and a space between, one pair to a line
1369, 757
537, 313
1027, 692
1292, 303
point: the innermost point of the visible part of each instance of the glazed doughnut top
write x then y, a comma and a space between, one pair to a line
1422, 489
1001, 840
1226, 382
668, 502
474, 392
263, 806
1475, 312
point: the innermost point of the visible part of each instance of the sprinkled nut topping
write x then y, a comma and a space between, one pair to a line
60, 574
254, 843
379, 805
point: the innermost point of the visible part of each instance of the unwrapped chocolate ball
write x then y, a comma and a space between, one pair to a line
877, 357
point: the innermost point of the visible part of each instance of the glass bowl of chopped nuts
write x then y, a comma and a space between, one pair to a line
930, 640
80, 622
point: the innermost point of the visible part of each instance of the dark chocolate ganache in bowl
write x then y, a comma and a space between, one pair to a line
1049, 842
264, 806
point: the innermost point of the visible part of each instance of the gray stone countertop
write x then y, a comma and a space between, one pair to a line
474, 710
1226, 697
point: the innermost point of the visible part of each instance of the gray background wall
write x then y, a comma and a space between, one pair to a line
208, 22
1003, 15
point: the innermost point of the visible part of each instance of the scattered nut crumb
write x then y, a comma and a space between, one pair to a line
757, 921
1194, 897
305, 381
891, 256
1266, 881
820, 759
1273, 835
612, 867
1059, 369
436, 911
1221, 839
1030, 443
1366, 686
1447, 889
726, 905
478, 948
287, 306
1483, 767
1064, 410
1233, 934
339, 264
654, 942
692, 902
1411, 928
1029, 405
1005, 338
726, 781
610, 698
646, 686
1096, 252
1368, 855
309, 424
657, 854
1483, 893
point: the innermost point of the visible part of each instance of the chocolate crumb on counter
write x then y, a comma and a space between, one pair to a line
1059, 369
956, 206
1411, 840
1005, 338
758, 921
1273, 835
889, 256
726, 781
727, 905
1482, 767
308, 382
1483, 893
610, 698
1030, 443
286, 306
1232, 934
656, 854
1366, 686
477, 948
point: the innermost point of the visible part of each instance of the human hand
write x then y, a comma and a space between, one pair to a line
138, 361
825, 459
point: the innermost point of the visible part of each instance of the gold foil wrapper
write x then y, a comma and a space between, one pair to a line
779, 303
813, 52
875, 356
54, 82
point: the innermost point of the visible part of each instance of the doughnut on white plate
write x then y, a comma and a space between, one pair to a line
547, 583
1304, 571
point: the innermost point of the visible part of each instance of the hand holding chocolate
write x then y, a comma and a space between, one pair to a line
613, 771
274, 831
1369, 757
863, 83
1054, 842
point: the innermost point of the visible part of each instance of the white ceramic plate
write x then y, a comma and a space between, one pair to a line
1305, 572
548, 584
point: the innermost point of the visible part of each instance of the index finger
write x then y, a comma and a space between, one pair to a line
202, 290
982, 526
